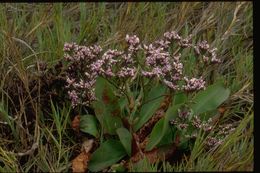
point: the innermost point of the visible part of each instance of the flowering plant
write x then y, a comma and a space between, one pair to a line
159, 63
139, 93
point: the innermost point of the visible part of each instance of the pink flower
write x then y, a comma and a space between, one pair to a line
172, 35
126, 72
194, 84
74, 97
203, 45
132, 40
86, 63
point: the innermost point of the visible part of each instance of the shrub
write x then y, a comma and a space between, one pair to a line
142, 98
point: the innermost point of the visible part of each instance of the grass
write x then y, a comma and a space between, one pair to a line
230, 156
32, 32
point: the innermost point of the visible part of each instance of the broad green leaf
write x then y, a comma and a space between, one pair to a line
104, 92
107, 107
152, 103
210, 98
168, 137
109, 122
106, 155
88, 124
126, 139
122, 102
162, 126
118, 168
156, 134
179, 98
99, 112
185, 143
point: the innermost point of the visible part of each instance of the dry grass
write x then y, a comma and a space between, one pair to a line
33, 32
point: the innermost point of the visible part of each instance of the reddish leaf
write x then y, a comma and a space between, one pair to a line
156, 154
144, 131
221, 110
107, 107
75, 123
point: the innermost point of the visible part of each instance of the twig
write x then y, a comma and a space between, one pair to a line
34, 146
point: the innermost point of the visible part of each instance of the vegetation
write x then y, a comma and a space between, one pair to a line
43, 130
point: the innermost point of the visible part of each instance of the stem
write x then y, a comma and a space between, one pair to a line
128, 99
154, 99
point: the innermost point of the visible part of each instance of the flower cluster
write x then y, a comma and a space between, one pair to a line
133, 42
80, 53
173, 35
213, 141
87, 63
168, 67
215, 135
104, 65
159, 63
204, 125
81, 77
209, 55
226, 129
127, 63
157, 60
182, 120
194, 84
220, 134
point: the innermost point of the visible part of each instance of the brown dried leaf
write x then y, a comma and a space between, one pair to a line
144, 143
75, 123
132, 103
221, 110
80, 163
156, 154
135, 144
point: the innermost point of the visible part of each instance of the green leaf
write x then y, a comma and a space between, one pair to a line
122, 102
184, 142
118, 168
162, 126
168, 137
106, 155
179, 98
126, 139
107, 107
104, 91
88, 124
109, 122
156, 135
152, 103
210, 98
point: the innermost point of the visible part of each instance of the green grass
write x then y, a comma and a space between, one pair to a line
230, 156
31, 32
